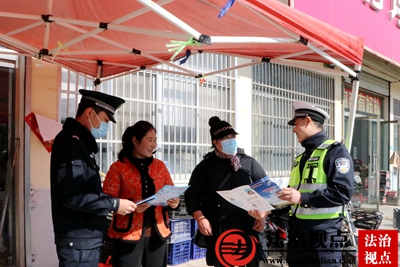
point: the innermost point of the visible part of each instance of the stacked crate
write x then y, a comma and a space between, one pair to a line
179, 242
180, 212
195, 251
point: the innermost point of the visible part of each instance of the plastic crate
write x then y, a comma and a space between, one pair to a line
179, 252
196, 252
178, 214
193, 227
181, 212
180, 230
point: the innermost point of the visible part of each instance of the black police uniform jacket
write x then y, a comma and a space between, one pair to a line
339, 186
79, 208
202, 195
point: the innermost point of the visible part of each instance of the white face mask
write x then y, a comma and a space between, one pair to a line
101, 131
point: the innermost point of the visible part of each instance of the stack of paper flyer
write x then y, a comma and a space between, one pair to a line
260, 195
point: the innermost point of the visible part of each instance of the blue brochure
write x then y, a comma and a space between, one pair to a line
164, 194
267, 189
146, 200
260, 195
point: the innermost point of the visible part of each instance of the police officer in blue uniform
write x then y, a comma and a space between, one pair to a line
79, 207
321, 183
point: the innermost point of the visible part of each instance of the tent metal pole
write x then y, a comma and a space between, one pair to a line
98, 75
87, 34
28, 27
249, 40
314, 48
167, 63
288, 56
49, 7
171, 72
184, 70
122, 28
310, 67
331, 59
353, 107
20, 16
233, 68
47, 28
28, 48
46, 35
100, 38
171, 18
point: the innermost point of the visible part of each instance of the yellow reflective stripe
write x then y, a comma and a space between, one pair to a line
315, 212
319, 216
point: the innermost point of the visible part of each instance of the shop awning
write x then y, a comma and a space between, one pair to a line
103, 38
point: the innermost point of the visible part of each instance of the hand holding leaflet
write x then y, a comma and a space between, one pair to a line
146, 200
260, 195
166, 193
267, 189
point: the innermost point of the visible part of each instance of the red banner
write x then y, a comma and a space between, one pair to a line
378, 247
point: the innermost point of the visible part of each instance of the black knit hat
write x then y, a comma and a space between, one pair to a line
219, 129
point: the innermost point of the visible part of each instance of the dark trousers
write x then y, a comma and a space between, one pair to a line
147, 252
68, 257
312, 253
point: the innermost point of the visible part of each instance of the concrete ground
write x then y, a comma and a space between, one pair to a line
387, 223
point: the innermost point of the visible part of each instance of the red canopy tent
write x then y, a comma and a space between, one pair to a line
102, 38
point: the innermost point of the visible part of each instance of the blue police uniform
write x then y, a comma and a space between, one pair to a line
324, 176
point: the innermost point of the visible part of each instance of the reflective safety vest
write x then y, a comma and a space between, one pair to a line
313, 178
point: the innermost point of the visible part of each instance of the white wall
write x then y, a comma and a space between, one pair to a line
243, 107
43, 101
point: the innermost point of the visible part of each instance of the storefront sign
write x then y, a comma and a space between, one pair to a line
374, 20
365, 103
394, 12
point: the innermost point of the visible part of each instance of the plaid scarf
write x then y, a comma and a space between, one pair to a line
235, 162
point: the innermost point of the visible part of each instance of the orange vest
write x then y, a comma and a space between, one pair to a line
124, 181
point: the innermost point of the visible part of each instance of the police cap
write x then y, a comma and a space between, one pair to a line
107, 102
303, 109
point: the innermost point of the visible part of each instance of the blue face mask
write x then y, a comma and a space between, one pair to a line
229, 146
101, 131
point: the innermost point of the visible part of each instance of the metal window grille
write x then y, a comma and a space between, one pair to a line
275, 87
178, 106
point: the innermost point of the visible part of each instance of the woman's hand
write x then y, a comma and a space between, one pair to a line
173, 202
259, 214
204, 226
142, 207
260, 217
259, 225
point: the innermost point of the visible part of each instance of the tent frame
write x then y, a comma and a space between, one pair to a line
48, 54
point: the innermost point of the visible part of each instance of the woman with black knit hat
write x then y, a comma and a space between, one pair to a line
225, 168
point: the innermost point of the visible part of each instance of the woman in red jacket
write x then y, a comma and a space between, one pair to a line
140, 238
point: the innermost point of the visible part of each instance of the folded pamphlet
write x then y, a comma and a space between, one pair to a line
260, 195
164, 194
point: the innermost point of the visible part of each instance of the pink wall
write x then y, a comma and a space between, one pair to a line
380, 33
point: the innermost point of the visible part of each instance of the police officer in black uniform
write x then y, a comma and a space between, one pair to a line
79, 207
321, 182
